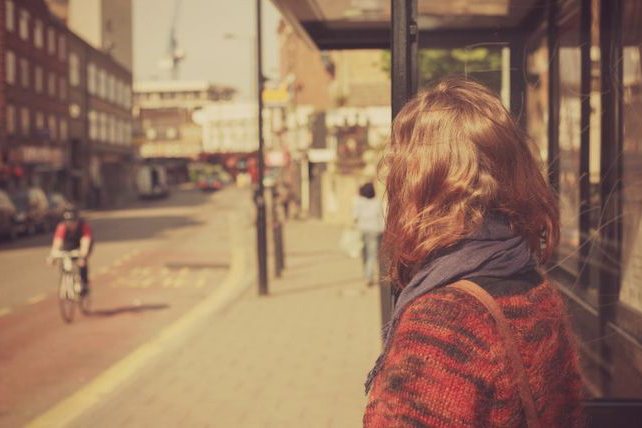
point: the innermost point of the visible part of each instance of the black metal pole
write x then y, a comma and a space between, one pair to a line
585, 137
553, 97
610, 177
403, 46
259, 197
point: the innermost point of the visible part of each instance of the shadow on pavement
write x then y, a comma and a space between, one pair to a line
127, 227
318, 286
130, 309
134, 228
196, 265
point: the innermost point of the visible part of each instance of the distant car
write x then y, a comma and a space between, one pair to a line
57, 204
8, 226
210, 183
32, 211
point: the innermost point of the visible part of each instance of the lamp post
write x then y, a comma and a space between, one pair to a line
259, 193
259, 197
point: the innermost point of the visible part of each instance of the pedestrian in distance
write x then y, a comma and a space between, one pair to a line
368, 217
479, 335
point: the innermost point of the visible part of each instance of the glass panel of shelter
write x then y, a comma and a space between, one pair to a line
581, 256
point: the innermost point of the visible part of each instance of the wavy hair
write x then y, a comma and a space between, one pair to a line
455, 156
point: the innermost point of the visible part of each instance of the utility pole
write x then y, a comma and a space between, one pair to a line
259, 197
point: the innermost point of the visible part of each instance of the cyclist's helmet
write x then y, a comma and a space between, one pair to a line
70, 214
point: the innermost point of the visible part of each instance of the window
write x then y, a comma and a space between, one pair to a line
10, 17
25, 121
51, 41
102, 83
64, 133
51, 85
63, 89
111, 89
24, 72
38, 34
128, 96
39, 79
24, 24
10, 67
40, 121
93, 125
74, 70
569, 132
53, 131
101, 126
11, 120
631, 287
112, 129
537, 99
62, 47
91, 78
128, 133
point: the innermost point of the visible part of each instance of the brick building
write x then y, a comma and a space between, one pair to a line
100, 104
66, 109
33, 97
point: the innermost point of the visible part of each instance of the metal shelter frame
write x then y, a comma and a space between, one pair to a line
404, 38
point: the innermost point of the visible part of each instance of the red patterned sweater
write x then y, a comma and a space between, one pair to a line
446, 365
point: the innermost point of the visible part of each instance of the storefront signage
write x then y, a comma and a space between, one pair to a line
37, 155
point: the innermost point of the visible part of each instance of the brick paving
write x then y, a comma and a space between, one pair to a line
297, 358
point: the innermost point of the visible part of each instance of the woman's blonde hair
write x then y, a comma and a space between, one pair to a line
454, 157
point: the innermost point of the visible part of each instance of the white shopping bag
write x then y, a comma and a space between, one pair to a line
351, 242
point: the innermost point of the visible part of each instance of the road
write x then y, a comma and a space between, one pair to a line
152, 262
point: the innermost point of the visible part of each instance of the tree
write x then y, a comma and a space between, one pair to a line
482, 64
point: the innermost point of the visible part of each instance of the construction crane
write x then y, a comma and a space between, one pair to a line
175, 55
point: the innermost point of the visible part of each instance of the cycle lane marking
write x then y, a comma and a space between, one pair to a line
66, 411
37, 298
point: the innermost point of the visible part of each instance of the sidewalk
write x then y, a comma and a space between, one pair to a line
297, 358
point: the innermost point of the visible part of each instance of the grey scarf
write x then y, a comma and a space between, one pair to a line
493, 250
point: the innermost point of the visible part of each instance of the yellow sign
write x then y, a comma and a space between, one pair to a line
275, 96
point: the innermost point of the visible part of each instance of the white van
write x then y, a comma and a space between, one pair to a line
151, 182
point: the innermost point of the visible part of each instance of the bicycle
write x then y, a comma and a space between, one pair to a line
70, 285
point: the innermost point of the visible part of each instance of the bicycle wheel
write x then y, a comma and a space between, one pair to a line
66, 297
85, 303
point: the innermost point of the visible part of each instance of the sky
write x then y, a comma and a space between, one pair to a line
201, 29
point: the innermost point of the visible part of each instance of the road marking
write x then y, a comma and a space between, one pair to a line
173, 336
5, 311
37, 298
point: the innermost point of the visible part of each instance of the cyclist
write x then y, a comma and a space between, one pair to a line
74, 233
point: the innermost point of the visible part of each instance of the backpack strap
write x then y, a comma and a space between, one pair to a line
517, 365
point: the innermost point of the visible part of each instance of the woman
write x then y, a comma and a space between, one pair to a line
466, 200
368, 216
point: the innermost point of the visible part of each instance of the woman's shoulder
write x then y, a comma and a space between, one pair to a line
517, 296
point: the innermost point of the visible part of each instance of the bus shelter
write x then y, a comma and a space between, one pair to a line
570, 72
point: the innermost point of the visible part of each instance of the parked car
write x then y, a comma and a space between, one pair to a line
57, 204
151, 182
8, 226
32, 211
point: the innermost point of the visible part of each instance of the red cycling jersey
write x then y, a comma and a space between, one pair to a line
61, 230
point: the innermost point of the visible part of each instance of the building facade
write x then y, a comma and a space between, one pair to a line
66, 109
33, 97
165, 130
105, 24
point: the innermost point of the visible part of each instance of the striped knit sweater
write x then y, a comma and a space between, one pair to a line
446, 365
